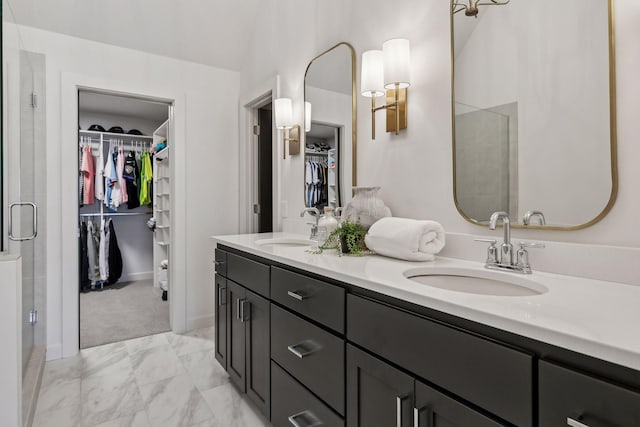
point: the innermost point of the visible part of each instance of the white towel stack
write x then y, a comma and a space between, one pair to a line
407, 239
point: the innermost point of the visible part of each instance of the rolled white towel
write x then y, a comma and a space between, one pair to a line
407, 239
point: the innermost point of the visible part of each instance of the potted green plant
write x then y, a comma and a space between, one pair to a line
348, 238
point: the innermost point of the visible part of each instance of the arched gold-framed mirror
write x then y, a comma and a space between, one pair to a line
330, 149
534, 112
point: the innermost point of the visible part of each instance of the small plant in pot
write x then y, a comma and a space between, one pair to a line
348, 238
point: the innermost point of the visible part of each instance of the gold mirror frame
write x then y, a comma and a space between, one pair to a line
354, 130
612, 133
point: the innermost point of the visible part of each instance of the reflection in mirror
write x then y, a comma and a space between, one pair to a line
330, 140
533, 106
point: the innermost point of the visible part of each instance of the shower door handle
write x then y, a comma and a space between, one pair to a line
35, 221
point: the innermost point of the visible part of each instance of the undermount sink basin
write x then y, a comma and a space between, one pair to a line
478, 282
285, 242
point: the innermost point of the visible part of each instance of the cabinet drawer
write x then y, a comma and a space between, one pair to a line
489, 375
221, 262
248, 273
565, 394
312, 298
293, 405
312, 355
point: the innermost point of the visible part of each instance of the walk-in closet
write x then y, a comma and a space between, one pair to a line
124, 217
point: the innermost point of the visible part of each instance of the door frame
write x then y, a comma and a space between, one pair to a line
65, 342
250, 103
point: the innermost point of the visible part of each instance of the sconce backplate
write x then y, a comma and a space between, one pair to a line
294, 140
391, 112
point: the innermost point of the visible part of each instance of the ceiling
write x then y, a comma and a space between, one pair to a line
211, 32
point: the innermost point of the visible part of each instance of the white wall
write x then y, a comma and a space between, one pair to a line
415, 168
206, 143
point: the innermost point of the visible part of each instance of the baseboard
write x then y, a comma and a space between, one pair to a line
199, 322
54, 352
132, 277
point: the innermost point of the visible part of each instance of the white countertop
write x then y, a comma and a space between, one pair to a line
597, 318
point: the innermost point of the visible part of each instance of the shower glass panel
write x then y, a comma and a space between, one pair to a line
24, 169
486, 167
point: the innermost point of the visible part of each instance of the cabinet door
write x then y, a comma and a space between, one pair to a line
377, 394
236, 341
571, 398
434, 409
221, 320
257, 320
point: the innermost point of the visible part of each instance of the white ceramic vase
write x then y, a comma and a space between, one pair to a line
366, 207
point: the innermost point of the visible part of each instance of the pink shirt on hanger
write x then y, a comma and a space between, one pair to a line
88, 172
120, 173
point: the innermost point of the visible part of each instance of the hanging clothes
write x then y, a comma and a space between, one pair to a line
130, 174
85, 283
103, 251
110, 179
120, 171
94, 271
146, 178
80, 178
114, 254
316, 188
88, 173
99, 177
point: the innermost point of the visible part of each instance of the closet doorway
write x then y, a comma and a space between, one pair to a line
124, 198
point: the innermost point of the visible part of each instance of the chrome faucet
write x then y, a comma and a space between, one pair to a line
506, 249
526, 220
314, 227
503, 259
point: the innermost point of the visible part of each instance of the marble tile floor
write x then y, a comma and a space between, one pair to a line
164, 380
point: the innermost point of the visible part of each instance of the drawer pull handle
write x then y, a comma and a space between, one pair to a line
222, 296
243, 315
575, 423
300, 296
416, 416
307, 417
303, 349
399, 400
218, 262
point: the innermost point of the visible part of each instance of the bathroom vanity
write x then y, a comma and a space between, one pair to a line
347, 341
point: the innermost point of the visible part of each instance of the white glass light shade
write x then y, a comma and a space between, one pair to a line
284, 113
397, 63
372, 74
307, 116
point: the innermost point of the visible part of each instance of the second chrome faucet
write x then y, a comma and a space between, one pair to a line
503, 259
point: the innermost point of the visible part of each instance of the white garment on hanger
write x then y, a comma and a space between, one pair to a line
99, 190
91, 254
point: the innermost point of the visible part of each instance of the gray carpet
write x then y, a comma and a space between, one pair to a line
120, 312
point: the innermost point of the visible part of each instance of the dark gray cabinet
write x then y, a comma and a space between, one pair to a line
572, 398
243, 326
221, 320
236, 335
295, 406
377, 393
256, 320
310, 351
435, 409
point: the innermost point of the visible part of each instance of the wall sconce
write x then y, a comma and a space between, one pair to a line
388, 69
283, 111
307, 117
